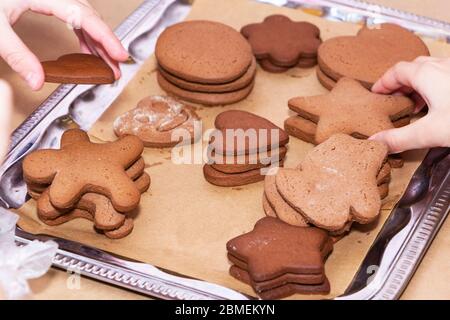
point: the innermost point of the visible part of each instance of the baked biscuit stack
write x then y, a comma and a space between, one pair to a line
205, 62
99, 182
242, 148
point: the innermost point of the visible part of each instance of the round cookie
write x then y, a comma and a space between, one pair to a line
155, 119
211, 99
203, 51
237, 84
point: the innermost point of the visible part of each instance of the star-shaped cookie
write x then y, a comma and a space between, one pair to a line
81, 166
274, 248
336, 183
352, 109
282, 41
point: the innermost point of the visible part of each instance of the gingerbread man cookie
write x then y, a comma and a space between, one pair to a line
81, 166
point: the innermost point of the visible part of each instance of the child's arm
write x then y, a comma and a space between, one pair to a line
428, 80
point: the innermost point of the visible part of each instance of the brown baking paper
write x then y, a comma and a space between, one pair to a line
184, 222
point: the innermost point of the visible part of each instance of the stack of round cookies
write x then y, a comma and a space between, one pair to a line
205, 62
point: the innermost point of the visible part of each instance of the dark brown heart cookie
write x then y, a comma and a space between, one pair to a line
78, 68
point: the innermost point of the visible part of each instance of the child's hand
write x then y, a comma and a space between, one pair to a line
5, 117
428, 79
94, 35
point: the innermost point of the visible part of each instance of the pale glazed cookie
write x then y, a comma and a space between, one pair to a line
81, 166
370, 112
155, 119
368, 55
211, 99
237, 84
336, 183
203, 51
282, 41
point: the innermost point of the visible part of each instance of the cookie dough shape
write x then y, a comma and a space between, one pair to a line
336, 183
282, 41
352, 109
155, 120
203, 51
78, 68
368, 55
81, 166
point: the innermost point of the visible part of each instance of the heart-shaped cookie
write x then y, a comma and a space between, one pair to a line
251, 133
368, 55
78, 68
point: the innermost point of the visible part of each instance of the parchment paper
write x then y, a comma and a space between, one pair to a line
184, 222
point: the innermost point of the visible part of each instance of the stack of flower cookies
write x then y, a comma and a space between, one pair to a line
242, 148
280, 43
205, 62
279, 260
99, 182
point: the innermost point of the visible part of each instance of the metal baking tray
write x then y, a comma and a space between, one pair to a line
396, 252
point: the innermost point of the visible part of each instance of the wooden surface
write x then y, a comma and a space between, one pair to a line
49, 38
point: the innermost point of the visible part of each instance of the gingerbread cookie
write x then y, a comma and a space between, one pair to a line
368, 55
275, 254
210, 98
104, 215
247, 162
264, 131
203, 51
155, 120
81, 166
370, 112
240, 83
78, 68
343, 171
270, 67
282, 41
222, 179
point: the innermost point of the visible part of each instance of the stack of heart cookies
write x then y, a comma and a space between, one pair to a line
368, 55
242, 148
99, 182
341, 181
205, 62
279, 260
280, 43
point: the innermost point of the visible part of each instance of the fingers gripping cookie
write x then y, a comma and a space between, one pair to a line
81, 166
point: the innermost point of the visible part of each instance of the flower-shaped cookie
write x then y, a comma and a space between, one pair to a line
336, 183
81, 166
282, 41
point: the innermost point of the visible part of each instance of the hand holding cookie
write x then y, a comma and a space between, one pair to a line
94, 35
429, 79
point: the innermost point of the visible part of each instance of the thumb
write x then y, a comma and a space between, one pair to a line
5, 117
19, 57
413, 136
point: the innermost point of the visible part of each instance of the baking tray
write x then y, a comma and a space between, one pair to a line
396, 252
